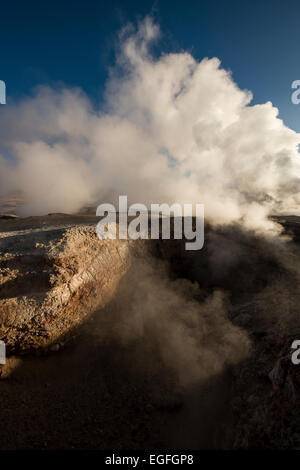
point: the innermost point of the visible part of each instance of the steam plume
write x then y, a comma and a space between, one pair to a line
172, 129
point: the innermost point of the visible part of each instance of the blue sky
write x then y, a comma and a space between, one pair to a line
73, 42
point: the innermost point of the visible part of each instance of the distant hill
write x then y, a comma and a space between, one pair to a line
10, 203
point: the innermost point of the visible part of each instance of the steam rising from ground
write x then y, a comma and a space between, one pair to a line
172, 129
196, 329
194, 341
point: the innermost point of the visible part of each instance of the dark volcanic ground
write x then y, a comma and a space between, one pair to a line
101, 393
93, 396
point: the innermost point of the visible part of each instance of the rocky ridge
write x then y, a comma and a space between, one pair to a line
53, 277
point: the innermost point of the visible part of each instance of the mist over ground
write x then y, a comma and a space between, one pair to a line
171, 129
180, 358
188, 334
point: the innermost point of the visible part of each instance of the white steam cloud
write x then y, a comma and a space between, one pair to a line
172, 130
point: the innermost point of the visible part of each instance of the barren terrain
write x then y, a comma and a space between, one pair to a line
160, 349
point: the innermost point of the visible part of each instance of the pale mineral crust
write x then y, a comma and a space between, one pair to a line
52, 278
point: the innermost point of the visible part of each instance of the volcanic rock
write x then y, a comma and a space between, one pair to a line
52, 278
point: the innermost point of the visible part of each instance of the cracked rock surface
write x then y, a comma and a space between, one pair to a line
54, 272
